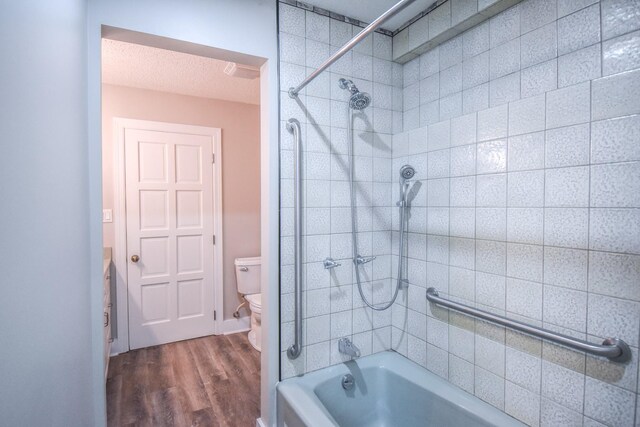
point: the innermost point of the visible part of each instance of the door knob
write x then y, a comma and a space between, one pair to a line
135, 258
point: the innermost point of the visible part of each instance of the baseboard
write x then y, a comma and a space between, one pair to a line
233, 326
259, 423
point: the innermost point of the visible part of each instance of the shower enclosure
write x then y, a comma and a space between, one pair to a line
466, 200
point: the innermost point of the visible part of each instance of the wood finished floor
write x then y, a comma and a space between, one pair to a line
210, 381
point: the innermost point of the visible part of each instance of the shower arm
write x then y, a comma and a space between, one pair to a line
293, 91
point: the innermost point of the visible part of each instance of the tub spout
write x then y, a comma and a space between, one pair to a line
345, 346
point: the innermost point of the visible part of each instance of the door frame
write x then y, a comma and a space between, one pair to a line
121, 343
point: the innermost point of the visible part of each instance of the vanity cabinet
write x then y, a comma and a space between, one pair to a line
106, 304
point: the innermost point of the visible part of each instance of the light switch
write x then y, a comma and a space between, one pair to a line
107, 215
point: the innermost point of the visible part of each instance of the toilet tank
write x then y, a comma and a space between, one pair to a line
248, 275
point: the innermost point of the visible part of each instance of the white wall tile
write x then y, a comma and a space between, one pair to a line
524, 298
522, 404
492, 123
450, 53
539, 45
527, 115
461, 373
567, 187
552, 414
504, 89
439, 19
525, 225
524, 262
539, 78
505, 59
568, 106
615, 185
567, 146
566, 227
608, 404
616, 230
475, 70
491, 190
489, 387
616, 95
579, 29
525, 189
317, 27
606, 314
566, 267
579, 66
476, 98
536, 13
619, 17
491, 223
491, 157
476, 40
505, 26
462, 10
562, 386
523, 369
526, 152
292, 20
565, 307
615, 140
616, 275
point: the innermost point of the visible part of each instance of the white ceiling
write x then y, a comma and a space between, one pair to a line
134, 65
369, 10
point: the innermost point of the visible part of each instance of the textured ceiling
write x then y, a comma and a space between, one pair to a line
369, 10
144, 67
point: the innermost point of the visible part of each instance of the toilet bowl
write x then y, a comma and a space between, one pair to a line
255, 305
248, 283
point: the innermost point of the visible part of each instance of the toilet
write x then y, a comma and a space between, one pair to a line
248, 282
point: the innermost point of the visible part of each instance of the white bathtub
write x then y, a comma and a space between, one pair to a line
389, 390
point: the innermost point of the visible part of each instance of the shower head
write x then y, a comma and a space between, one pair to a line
407, 172
359, 100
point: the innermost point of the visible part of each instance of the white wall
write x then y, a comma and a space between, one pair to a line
247, 26
45, 363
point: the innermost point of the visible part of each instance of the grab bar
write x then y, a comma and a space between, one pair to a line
614, 349
293, 126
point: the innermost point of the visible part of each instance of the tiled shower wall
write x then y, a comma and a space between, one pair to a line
526, 136
332, 307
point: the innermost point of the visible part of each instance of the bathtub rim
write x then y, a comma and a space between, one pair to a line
300, 396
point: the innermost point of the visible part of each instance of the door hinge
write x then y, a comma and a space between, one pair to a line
215, 315
214, 239
213, 158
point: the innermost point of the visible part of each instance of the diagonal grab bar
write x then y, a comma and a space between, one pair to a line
614, 349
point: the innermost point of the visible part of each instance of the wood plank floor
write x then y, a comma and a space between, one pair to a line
210, 381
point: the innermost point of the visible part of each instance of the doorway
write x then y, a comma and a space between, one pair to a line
181, 171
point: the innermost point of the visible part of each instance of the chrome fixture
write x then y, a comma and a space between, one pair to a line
348, 382
614, 349
293, 126
360, 260
407, 172
330, 263
293, 91
345, 346
359, 100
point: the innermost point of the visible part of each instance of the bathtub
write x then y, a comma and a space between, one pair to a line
389, 390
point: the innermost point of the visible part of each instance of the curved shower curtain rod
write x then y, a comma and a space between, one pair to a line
293, 91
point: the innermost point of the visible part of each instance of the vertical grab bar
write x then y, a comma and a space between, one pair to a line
293, 126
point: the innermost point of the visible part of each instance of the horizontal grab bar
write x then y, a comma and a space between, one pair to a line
614, 349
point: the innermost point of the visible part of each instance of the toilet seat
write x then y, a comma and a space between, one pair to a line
255, 302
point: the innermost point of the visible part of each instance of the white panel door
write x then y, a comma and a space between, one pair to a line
170, 227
